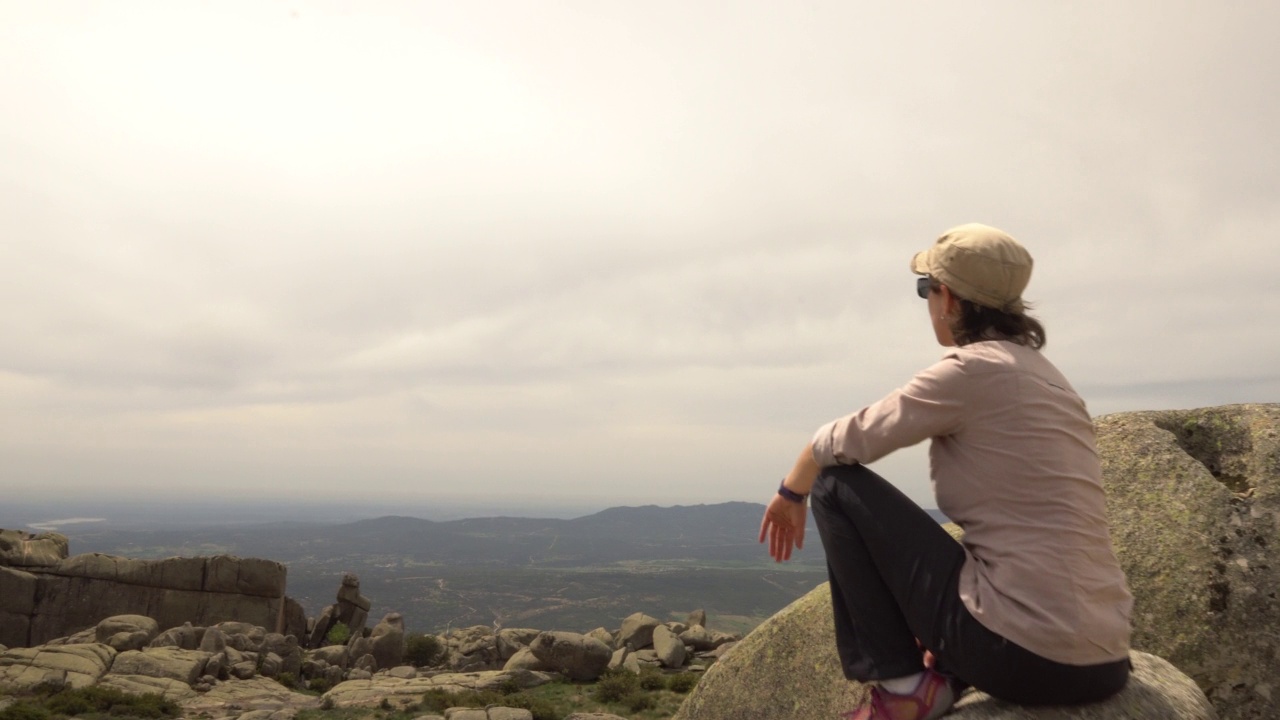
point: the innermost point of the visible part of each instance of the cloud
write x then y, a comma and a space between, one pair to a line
507, 247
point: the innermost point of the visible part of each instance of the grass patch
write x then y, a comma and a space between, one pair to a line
552, 701
49, 702
634, 702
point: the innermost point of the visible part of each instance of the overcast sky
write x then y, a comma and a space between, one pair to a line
596, 252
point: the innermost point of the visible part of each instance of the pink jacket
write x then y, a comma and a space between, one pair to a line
1014, 462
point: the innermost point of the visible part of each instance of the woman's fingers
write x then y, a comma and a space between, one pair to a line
782, 536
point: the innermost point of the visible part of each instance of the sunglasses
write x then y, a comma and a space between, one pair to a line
923, 286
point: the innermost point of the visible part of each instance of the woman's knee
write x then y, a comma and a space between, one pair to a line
831, 478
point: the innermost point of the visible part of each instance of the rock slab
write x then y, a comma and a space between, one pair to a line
787, 669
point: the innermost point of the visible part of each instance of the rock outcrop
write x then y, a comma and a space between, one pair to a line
406, 691
20, 549
787, 669
1194, 505
44, 594
75, 666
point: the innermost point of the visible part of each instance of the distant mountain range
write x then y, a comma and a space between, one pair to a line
721, 533
713, 534
549, 573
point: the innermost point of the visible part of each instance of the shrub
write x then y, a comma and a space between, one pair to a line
24, 710
339, 634
385, 704
436, 700
639, 701
614, 685
96, 700
682, 682
318, 685
540, 709
288, 680
652, 680
422, 650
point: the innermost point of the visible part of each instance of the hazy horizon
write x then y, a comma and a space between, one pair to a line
594, 254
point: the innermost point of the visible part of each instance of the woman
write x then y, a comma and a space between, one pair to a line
1033, 607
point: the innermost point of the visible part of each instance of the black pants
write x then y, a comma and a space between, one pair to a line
895, 578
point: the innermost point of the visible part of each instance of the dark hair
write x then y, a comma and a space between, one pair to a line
978, 322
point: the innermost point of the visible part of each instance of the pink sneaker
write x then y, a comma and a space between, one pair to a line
931, 699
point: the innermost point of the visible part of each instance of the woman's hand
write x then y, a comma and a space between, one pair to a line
783, 523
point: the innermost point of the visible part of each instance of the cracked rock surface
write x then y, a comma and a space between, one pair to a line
1194, 503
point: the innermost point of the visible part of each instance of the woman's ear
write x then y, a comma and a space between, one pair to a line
950, 303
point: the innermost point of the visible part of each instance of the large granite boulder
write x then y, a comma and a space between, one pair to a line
163, 662
668, 646
524, 659
126, 632
787, 669
577, 656
1194, 505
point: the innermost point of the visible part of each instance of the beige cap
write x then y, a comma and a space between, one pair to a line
980, 264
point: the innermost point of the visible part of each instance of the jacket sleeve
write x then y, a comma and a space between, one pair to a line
930, 405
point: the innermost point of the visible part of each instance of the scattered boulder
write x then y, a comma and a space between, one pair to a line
320, 629
269, 664
184, 637
511, 640
619, 657
213, 641
387, 641
352, 607
602, 635
365, 662
578, 657
335, 655
524, 659
637, 631
473, 649
668, 647
162, 662
697, 638
697, 617
126, 632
